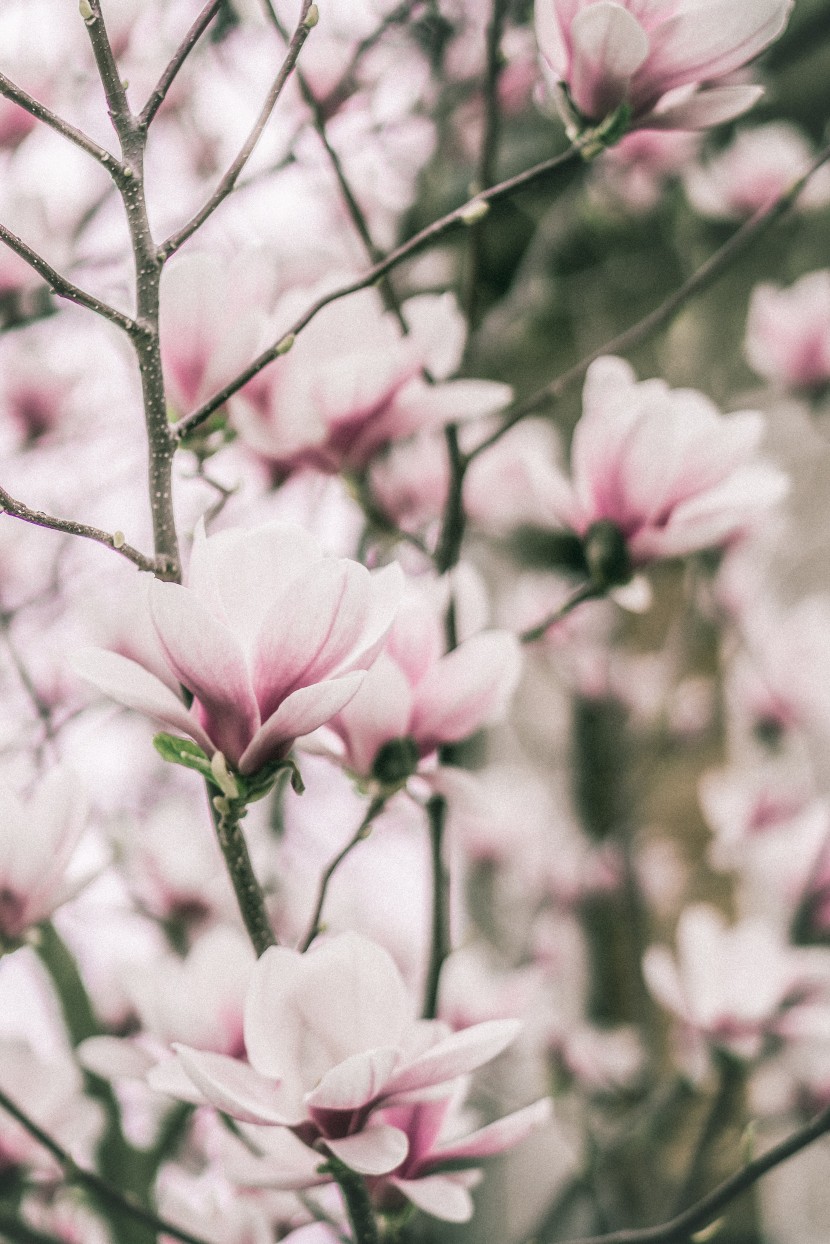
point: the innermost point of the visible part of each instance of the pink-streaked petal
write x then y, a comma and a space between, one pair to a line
376, 1150
235, 1088
455, 1056
701, 109
496, 1137
467, 689
441, 1196
131, 685
380, 711
303, 711
355, 1082
207, 658
608, 46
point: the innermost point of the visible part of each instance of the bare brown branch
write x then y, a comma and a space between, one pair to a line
44, 114
194, 34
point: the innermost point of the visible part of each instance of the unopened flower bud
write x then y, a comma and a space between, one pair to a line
85, 10
606, 553
312, 17
396, 761
473, 211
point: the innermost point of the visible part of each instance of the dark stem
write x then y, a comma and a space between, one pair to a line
663, 314
720, 1112
432, 233
360, 834
227, 815
181, 54
588, 592
452, 528
358, 1204
16, 509
103, 1191
440, 940
231, 177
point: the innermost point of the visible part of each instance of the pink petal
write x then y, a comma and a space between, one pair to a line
355, 1082
299, 714
442, 1196
206, 657
608, 46
455, 1056
701, 109
496, 1137
376, 1150
131, 685
467, 689
235, 1088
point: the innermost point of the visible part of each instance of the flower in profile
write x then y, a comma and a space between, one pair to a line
270, 638
331, 1040
659, 469
658, 63
37, 840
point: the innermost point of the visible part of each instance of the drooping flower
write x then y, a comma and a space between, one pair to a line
331, 1040
663, 60
270, 638
662, 467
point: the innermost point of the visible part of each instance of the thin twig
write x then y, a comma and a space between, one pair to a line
64, 288
708, 1208
229, 180
35, 109
361, 833
589, 591
459, 216
100, 1188
16, 509
181, 54
440, 939
636, 334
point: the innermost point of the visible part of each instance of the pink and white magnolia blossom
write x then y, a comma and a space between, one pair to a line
37, 841
441, 1167
270, 637
729, 987
331, 1038
353, 383
665, 60
788, 332
663, 466
417, 691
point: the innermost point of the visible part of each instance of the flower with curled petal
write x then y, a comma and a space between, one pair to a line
270, 638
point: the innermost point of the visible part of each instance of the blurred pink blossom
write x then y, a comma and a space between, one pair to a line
664, 59
270, 637
788, 332
756, 168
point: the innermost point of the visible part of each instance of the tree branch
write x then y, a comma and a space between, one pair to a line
227, 815
464, 215
440, 940
194, 34
35, 109
589, 591
700, 280
362, 832
16, 509
228, 182
99, 1188
709, 1207
64, 288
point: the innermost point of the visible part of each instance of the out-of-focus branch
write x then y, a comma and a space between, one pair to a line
181, 54
706, 1210
35, 109
440, 939
64, 288
361, 833
706, 275
467, 214
16, 509
589, 591
103, 1191
226, 185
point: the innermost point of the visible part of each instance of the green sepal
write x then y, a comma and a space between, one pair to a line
258, 785
183, 752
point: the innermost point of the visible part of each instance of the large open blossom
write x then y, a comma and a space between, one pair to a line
331, 1040
663, 59
663, 466
270, 637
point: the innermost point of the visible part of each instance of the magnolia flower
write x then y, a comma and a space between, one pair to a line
331, 1040
418, 694
661, 59
353, 383
270, 637
37, 841
440, 1168
730, 987
788, 332
662, 467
